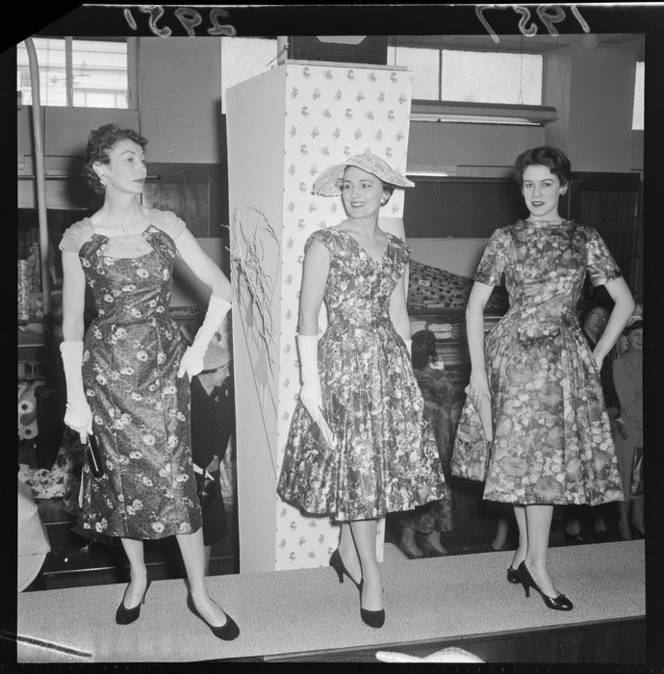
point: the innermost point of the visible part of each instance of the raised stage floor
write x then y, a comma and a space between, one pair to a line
306, 615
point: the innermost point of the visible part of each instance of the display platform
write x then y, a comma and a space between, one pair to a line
461, 600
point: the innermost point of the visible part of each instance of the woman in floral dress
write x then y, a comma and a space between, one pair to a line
628, 378
359, 446
437, 517
549, 440
125, 375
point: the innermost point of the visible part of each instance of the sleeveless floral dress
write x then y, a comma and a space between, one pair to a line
141, 408
552, 440
386, 459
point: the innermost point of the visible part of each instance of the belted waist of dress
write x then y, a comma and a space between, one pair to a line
543, 320
124, 319
359, 321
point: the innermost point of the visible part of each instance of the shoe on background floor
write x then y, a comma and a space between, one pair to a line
574, 539
411, 554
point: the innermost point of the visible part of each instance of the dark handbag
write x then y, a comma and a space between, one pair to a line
205, 487
94, 456
636, 486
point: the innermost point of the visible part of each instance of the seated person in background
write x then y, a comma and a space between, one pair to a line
212, 423
593, 321
438, 393
628, 378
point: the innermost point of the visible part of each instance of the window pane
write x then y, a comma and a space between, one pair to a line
425, 66
638, 114
243, 58
491, 77
100, 77
99, 71
52, 71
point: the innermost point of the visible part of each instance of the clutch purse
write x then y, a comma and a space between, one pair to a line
94, 457
204, 486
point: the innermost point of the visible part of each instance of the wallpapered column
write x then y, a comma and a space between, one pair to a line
315, 114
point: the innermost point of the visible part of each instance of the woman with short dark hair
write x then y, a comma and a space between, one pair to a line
128, 375
548, 440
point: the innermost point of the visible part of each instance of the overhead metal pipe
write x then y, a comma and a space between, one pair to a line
40, 175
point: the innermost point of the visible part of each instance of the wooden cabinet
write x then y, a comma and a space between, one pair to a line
197, 193
612, 204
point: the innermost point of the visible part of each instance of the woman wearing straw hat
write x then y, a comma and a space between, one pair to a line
212, 423
359, 446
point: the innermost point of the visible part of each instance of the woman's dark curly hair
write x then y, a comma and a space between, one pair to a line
545, 155
100, 143
637, 325
424, 348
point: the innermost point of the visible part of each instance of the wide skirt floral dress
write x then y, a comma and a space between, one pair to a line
141, 408
386, 457
552, 441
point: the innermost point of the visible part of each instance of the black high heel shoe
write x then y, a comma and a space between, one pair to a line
338, 565
228, 631
126, 616
371, 618
513, 576
559, 603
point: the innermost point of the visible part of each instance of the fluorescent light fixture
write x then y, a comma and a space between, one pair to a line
342, 39
431, 171
481, 113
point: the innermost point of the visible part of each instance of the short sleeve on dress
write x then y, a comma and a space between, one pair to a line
324, 236
602, 267
76, 235
494, 259
401, 250
169, 223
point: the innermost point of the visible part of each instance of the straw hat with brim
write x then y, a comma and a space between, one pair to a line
215, 357
328, 183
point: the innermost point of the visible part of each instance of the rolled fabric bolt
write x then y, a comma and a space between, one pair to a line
27, 419
26, 406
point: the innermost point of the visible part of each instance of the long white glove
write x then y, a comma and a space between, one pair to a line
310, 393
78, 415
192, 360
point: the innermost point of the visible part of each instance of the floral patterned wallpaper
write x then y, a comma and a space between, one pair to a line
332, 112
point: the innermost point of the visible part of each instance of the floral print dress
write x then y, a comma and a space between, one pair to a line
386, 457
140, 407
552, 441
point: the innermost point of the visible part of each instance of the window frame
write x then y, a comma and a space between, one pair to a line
132, 72
643, 82
443, 110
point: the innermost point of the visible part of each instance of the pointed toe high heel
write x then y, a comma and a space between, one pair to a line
338, 565
430, 550
559, 603
126, 616
228, 631
373, 618
513, 576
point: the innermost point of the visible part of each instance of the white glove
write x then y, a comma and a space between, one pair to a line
78, 415
192, 360
310, 393
409, 346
